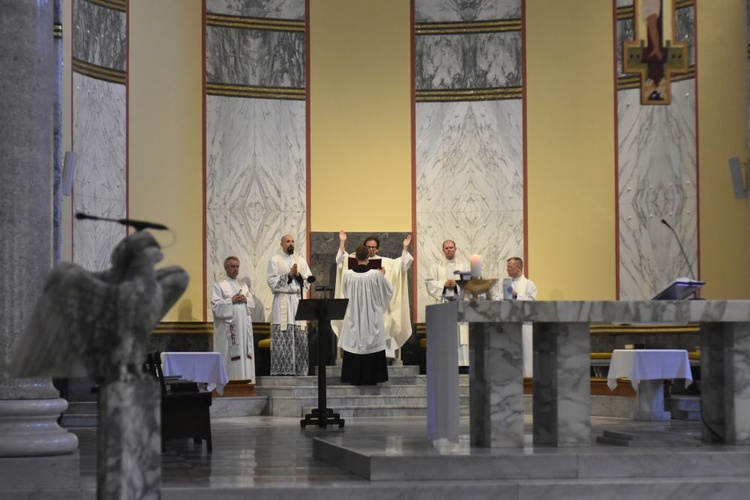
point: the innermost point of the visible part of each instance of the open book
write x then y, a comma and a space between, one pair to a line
372, 263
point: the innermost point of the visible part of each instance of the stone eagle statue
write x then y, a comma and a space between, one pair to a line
97, 324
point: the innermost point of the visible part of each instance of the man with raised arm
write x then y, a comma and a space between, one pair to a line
397, 317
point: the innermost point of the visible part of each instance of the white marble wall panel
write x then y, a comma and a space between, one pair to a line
440, 11
99, 35
272, 9
99, 186
625, 33
486, 60
469, 183
684, 29
255, 57
747, 23
657, 176
256, 183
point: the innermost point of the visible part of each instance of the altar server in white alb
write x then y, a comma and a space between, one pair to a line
287, 278
442, 287
523, 289
397, 317
363, 334
232, 304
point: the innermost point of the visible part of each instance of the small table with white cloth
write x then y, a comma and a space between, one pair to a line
646, 369
202, 367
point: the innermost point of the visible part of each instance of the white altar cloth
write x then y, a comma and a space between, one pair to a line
203, 367
648, 364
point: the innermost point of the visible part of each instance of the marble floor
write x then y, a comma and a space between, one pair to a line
272, 457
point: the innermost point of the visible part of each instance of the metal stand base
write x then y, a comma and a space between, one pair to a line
322, 419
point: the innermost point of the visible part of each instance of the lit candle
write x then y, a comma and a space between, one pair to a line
476, 266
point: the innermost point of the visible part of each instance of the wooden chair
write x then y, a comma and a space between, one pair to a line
184, 408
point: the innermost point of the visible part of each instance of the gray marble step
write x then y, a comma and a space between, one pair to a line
403, 410
269, 381
246, 406
393, 371
342, 390
684, 407
80, 414
375, 405
405, 394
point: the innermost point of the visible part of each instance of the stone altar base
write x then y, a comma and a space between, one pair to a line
672, 457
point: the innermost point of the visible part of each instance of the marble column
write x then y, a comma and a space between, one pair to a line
28, 407
725, 379
562, 395
496, 388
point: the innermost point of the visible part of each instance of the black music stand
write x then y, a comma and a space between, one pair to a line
322, 311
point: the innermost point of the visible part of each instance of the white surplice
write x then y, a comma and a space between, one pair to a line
369, 294
286, 291
233, 329
289, 349
435, 284
397, 317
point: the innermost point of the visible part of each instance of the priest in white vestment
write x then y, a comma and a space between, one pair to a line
523, 289
363, 335
232, 305
287, 278
397, 317
442, 287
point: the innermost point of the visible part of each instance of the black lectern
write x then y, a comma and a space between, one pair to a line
323, 311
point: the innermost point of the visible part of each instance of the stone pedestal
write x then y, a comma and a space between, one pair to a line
129, 441
650, 402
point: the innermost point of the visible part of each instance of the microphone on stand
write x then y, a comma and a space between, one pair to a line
682, 249
301, 280
138, 225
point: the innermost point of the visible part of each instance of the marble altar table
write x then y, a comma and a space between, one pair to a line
561, 382
646, 369
202, 367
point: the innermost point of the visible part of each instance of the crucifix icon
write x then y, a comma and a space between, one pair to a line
654, 54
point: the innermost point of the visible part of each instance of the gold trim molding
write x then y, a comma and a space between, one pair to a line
469, 94
99, 72
255, 92
460, 28
255, 23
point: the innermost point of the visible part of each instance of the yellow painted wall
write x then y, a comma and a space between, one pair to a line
571, 149
722, 125
360, 115
165, 135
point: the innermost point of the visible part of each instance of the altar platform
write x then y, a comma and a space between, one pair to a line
272, 458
